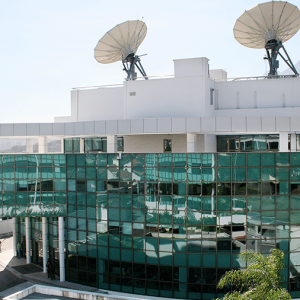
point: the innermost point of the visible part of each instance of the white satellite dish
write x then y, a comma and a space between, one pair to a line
121, 44
269, 25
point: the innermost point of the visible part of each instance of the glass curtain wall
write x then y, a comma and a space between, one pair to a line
160, 224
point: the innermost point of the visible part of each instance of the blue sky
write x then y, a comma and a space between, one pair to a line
47, 47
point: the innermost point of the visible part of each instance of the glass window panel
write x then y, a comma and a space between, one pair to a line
208, 160
59, 185
239, 188
253, 159
59, 160
234, 144
113, 214
208, 189
81, 211
208, 174
253, 174
138, 174
282, 217
60, 198
224, 160
282, 159
165, 217
179, 174
194, 203
165, 160
178, 202
295, 202
246, 143
282, 202
138, 201
273, 142
224, 188
253, 203
209, 203
259, 143
283, 188
68, 145
138, 160
113, 173
90, 173
151, 174
253, 188
268, 174
165, 174
238, 174
151, 160
295, 158
283, 173
194, 189
8, 173
179, 188
126, 216
268, 159
295, 173
224, 174
268, 203
222, 144
76, 145
268, 217
224, 203
238, 159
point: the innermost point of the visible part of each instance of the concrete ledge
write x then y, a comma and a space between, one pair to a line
55, 291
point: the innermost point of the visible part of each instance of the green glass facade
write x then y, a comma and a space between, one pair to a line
161, 224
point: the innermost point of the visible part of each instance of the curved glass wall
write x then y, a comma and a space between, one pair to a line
162, 224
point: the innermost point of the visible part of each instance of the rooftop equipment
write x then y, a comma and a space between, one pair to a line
121, 44
269, 25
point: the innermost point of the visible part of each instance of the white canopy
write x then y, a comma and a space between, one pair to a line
267, 21
119, 42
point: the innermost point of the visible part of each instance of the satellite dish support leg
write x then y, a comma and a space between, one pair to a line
288, 61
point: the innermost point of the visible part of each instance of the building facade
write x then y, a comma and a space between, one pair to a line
154, 187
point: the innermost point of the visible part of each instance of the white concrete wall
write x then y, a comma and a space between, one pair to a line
6, 226
256, 94
95, 104
165, 98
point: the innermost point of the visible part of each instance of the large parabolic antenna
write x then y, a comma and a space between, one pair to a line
269, 25
121, 44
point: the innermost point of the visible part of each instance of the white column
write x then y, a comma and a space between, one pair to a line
42, 142
191, 142
61, 238
15, 236
81, 145
293, 142
112, 144
283, 142
27, 229
62, 145
29, 146
45, 242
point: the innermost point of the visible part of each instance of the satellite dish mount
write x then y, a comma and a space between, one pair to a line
129, 63
272, 48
